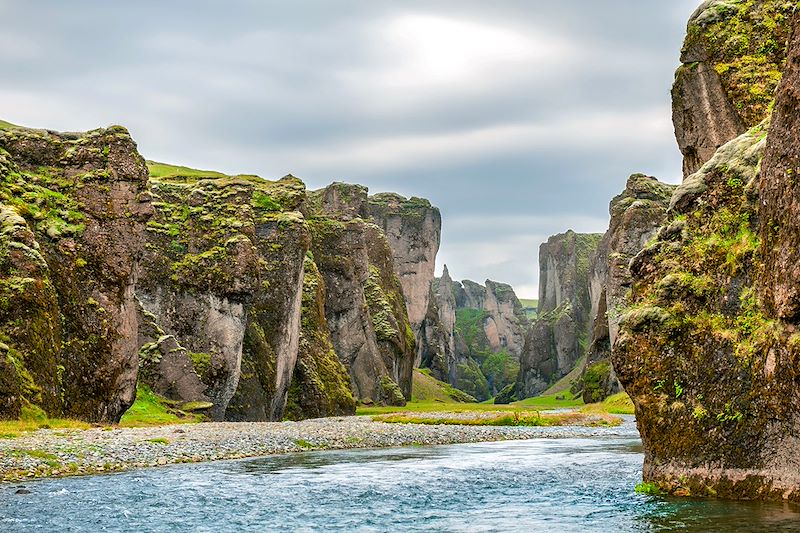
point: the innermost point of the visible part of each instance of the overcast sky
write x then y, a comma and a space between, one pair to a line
518, 118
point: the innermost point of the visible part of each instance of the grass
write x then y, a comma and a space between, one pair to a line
33, 418
149, 409
434, 406
426, 388
531, 307
7, 125
165, 170
563, 400
506, 418
618, 404
159, 440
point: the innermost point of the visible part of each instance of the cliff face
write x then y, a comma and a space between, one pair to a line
73, 208
476, 334
413, 229
439, 331
636, 215
224, 267
708, 349
558, 338
732, 60
365, 307
233, 293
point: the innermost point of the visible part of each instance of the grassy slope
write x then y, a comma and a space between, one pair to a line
7, 125
165, 170
151, 410
426, 388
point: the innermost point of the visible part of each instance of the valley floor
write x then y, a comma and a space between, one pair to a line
64, 452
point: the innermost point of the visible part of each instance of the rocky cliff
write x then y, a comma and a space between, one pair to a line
230, 293
708, 347
636, 214
559, 336
439, 331
413, 229
73, 208
732, 60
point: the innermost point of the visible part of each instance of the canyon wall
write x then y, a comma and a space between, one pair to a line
708, 347
245, 298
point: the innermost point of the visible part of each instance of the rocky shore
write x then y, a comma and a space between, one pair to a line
52, 453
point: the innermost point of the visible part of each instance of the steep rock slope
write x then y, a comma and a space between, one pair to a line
439, 331
365, 307
636, 215
224, 266
73, 208
732, 59
488, 336
413, 229
708, 351
559, 337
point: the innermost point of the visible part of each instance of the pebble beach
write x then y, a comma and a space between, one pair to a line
52, 452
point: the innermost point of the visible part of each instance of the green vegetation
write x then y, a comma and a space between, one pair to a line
165, 170
746, 45
650, 489
551, 401
7, 125
159, 440
504, 418
616, 404
33, 418
531, 307
426, 388
149, 409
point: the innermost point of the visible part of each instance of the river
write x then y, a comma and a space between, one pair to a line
548, 485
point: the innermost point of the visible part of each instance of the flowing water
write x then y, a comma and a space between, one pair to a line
553, 485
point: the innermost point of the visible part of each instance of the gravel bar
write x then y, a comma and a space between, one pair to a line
50, 453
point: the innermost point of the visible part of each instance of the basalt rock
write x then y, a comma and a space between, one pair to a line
72, 213
439, 330
224, 274
364, 305
732, 58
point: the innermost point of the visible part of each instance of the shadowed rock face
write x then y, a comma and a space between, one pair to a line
636, 215
439, 330
73, 208
708, 350
223, 277
558, 338
413, 229
364, 305
732, 59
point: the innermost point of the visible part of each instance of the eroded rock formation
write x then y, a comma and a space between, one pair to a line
73, 208
708, 347
732, 59
559, 336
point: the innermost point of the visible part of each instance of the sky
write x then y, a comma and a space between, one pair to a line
519, 119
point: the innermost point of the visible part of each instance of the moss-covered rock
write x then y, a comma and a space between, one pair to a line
732, 58
710, 366
320, 384
73, 211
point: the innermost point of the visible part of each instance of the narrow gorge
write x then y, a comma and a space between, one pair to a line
234, 298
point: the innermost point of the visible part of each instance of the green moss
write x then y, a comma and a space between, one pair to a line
149, 409
746, 45
594, 379
391, 394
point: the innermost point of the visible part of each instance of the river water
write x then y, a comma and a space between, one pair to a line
552, 485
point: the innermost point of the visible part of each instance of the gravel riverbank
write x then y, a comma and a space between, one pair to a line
47, 453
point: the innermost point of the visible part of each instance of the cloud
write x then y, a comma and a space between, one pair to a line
518, 118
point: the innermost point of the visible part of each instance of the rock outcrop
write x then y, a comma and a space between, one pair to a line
474, 335
72, 208
559, 336
732, 59
234, 294
708, 348
636, 215
365, 307
413, 229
